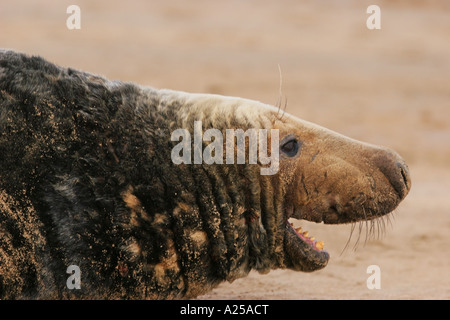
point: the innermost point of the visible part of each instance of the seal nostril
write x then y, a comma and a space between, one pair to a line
405, 174
405, 180
395, 170
399, 179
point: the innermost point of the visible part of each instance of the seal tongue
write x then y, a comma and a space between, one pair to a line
303, 252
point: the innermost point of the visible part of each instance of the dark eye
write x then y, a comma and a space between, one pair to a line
291, 147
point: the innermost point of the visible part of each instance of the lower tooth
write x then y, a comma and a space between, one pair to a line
319, 245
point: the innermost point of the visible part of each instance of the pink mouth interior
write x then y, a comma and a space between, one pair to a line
316, 245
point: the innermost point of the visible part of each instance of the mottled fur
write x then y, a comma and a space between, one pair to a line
87, 179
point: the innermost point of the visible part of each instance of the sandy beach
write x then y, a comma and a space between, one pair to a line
389, 87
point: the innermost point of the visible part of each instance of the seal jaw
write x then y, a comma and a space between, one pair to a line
303, 253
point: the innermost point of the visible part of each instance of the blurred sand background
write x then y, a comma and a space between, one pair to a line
389, 87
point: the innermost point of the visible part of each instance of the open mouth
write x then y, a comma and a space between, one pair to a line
306, 237
305, 252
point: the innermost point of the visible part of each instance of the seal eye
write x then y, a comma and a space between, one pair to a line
291, 147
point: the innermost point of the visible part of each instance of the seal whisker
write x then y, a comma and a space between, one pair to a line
349, 237
388, 221
372, 227
388, 218
366, 225
284, 109
280, 93
383, 224
280, 98
360, 226
377, 220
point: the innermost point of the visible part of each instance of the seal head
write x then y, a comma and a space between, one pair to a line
334, 179
323, 176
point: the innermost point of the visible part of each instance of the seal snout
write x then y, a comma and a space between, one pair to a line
406, 185
395, 170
